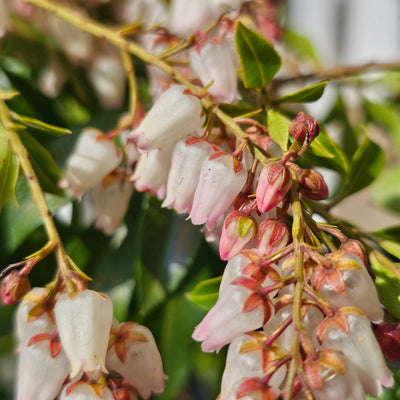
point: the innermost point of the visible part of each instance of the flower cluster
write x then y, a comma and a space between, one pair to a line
69, 345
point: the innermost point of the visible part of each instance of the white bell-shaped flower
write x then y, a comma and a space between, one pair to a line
218, 7
86, 391
27, 323
214, 64
151, 172
174, 115
221, 179
94, 157
84, 322
111, 200
188, 17
42, 369
134, 354
362, 350
107, 75
187, 158
360, 291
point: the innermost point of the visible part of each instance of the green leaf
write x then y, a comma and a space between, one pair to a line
278, 128
387, 282
8, 94
306, 95
41, 126
259, 61
365, 166
387, 115
326, 153
45, 168
386, 190
205, 294
389, 239
9, 170
300, 45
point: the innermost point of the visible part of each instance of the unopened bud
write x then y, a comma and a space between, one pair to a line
272, 236
237, 232
273, 184
302, 125
313, 185
14, 287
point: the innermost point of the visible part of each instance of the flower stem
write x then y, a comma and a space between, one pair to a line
298, 240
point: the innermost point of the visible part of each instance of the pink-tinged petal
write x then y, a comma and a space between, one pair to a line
184, 173
216, 190
274, 182
87, 391
174, 116
272, 236
215, 64
142, 364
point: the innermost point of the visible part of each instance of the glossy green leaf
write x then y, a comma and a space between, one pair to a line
326, 153
9, 170
386, 189
205, 294
389, 239
300, 45
387, 282
45, 168
278, 128
259, 61
306, 95
365, 166
41, 126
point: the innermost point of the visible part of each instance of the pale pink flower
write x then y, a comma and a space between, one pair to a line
84, 322
111, 200
85, 391
107, 75
214, 64
218, 7
221, 179
273, 184
133, 353
94, 157
188, 17
238, 230
357, 341
358, 288
151, 172
42, 368
174, 116
187, 158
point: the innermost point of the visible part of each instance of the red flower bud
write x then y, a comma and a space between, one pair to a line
14, 287
272, 236
302, 125
313, 185
274, 182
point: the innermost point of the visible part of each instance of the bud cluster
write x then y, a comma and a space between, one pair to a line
70, 345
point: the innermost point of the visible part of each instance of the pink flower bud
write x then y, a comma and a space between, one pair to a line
187, 159
84, 323
14, 287
214, 64
239, 229
173, 116
221, 179
312, 185
302, 125
388, 337
357, 341
272, 236
133, 353
94, 157
273, 184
